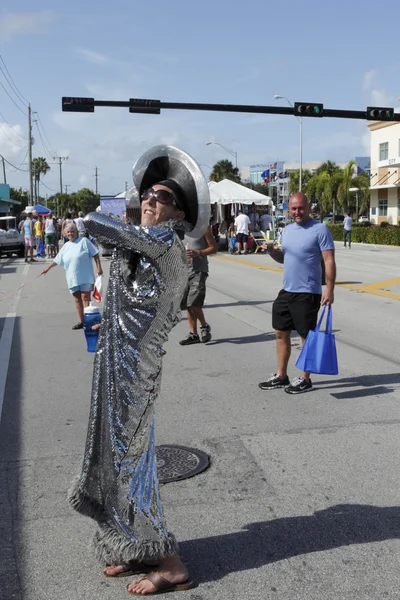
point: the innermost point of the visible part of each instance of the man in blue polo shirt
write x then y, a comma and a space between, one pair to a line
305, 244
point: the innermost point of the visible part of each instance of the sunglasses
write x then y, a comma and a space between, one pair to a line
162, 196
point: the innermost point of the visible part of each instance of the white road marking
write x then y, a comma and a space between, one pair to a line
7, 337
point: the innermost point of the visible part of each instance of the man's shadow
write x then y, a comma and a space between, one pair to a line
259, 544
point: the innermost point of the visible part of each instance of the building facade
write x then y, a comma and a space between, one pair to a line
385, 172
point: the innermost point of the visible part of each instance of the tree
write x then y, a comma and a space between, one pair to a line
294, 183
39, 167
224, 169
359, 201
328, 166
21, 196
261, 188
346, 184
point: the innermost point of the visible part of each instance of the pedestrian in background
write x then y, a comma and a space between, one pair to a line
197, 252
50, 235
347, 227
38, 233
242, 229
305, 243
80, 224
76, 258
29, 235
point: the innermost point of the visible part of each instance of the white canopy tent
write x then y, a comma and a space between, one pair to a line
229, 192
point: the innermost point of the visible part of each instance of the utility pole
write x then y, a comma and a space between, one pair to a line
66, 187
30, 153
4, 170
96, 174
59, 159
126, 186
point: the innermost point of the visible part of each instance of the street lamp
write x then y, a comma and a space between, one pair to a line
225, 148
279, 97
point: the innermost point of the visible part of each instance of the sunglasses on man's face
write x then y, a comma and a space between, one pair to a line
162, 196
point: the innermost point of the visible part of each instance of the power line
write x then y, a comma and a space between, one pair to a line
23, 100
11, 140
46, 150
53, 152
16, 168
11, 127
22, 163
12, 100
46, 186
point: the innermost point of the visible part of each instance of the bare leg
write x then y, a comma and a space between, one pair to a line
282, 351
79, 305
239, 246
171, 568
86, 298
305, 375
245, 246
195, 314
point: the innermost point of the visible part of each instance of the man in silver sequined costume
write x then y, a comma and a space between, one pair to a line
118, 486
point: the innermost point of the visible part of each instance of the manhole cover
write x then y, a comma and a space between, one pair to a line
175, 463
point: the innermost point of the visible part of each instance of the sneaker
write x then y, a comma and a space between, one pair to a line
192, 338
299, 386
274, 382
205, 334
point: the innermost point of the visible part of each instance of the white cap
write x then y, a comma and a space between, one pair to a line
91, 309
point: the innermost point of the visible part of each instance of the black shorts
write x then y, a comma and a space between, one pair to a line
295, 311
242, 238
195, 291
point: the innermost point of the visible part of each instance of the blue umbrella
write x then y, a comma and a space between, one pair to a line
41, 210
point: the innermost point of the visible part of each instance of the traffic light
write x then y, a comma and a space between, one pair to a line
77, 104
306, 109
379, 113
144, 106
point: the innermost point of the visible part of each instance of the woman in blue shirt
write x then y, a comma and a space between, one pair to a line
76, 258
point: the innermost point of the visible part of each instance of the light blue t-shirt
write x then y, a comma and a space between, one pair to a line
302, 246
76, 258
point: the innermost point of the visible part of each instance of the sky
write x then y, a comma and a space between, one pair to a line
344, 55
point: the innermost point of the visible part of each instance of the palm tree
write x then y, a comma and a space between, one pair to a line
40, 167
224, 169
346, 184
294, 182
362, 183
329, 166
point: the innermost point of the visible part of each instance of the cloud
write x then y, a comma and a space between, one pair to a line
382, 98
369, 77
11, 142
14, 24
93, 57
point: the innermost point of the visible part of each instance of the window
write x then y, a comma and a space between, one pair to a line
382, 207
384, 151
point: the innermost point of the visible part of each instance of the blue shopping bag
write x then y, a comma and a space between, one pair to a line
319, 351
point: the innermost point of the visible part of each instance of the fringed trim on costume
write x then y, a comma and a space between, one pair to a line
111, 547
82, 503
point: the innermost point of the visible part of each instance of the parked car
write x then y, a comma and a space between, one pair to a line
11, 240
363, 219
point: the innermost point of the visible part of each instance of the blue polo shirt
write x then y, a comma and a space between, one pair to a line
302, 246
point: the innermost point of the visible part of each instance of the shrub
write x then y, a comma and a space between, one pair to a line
384, 224
388, 235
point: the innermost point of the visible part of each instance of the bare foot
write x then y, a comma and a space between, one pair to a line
130, 568
171, 568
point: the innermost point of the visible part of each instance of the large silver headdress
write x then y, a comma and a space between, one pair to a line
167, 162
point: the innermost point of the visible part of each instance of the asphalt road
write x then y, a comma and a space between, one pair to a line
302, 499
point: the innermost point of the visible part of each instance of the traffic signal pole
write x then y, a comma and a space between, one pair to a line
147, 106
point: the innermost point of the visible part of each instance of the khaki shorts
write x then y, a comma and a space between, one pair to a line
195, 291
